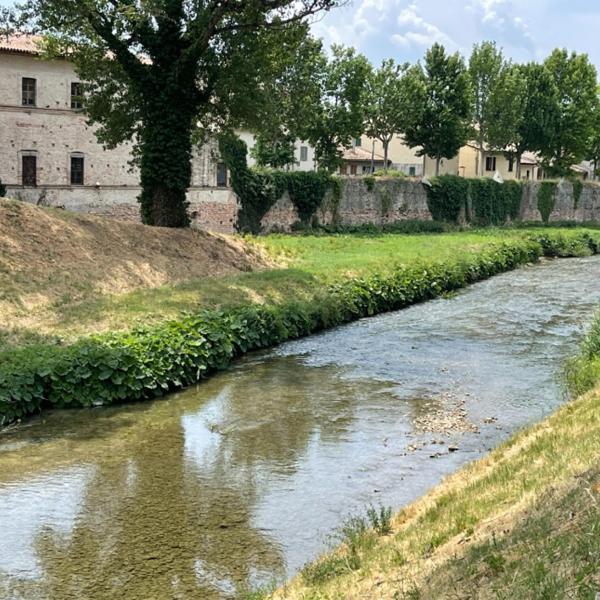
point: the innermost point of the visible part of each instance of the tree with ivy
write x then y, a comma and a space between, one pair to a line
522, 110
387, 108
575, 81
338, 113
440, 92
593, 150
486, 66
164, 72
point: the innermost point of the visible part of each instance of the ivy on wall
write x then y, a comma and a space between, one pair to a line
2, 189
546, 199
259, 189
482, 202
577, 189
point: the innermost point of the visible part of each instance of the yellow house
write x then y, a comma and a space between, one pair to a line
495, 161
400, 156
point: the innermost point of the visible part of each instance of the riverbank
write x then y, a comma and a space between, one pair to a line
338, 279
524, 522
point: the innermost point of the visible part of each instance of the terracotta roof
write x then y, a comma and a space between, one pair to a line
359, 154
529, 159
20, 43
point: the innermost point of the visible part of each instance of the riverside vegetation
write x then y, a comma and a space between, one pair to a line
330, 280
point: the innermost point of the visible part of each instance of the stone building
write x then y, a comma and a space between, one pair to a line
50, 156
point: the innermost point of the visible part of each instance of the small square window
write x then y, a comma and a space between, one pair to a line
77, 165
358, 142
76, 95
29, 171
412, 171
221, 175
303, 153
490, 163
28, 91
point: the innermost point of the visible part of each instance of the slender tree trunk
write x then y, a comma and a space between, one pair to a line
518, 166
437, 166
165, 163
386, 144
480, 171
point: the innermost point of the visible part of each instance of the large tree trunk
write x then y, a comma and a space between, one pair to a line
165, 164
437, 166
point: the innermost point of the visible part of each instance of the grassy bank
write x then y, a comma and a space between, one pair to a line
149, 361
524, 522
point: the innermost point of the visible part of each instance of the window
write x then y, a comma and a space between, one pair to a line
76, 95
412, 171
343, 170
222, 175
303, 153
29, 171
511, 162
28, 86
358, 142
352, 169
76, 170
490, 163
366, 170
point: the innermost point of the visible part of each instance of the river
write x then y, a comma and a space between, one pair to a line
240, 480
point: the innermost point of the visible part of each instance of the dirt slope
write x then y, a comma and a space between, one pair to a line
50, 255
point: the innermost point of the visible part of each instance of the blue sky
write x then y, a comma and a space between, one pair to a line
404, 29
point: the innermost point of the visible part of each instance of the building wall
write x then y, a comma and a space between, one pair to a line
301, 165
52, 132
403, 158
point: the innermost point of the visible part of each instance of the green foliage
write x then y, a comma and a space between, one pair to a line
410, 226
337, 117
275, 152
494, 203
385, 197
149, 362
575, 82
369, 182
446, 197
380, 520
440, 95
391, 173
259, 189
577, 189
546, 199
2, 189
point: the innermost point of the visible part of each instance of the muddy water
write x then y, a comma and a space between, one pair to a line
240, 480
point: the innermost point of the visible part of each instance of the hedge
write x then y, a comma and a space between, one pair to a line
150, 362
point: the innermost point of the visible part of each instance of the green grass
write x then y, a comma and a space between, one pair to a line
308, 264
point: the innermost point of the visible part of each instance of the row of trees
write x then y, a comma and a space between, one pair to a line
443, 102
168, 74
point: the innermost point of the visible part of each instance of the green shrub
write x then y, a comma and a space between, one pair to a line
546, 199
150, 362
369, 182
447, 197
391, 173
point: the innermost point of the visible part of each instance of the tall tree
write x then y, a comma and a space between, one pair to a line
274, 149
387, 107
575, 80
522, 110
157, 70
441, 94
593, 151
485, 68
338, 116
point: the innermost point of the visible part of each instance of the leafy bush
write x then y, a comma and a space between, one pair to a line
391, 173
150, 362
447, 197
577, 189
409, 226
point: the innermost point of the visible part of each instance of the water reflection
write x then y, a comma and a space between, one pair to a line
240, 479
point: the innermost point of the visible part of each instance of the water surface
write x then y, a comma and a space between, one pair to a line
240, 480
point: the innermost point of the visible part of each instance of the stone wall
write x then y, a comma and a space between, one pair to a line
383, 201
588, 206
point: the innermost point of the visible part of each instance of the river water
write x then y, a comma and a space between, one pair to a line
241, 480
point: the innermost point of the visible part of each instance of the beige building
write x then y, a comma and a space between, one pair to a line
494, 161
400, 156
50, 156
303, 152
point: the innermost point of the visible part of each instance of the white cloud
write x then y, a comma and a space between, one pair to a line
417, 31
